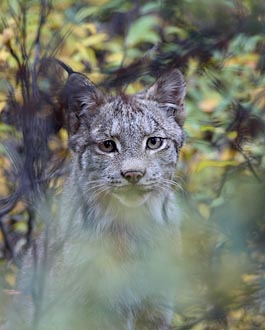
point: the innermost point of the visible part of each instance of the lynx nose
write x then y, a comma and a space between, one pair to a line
133, 176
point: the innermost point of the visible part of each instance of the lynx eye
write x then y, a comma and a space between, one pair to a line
107, 146
154, 143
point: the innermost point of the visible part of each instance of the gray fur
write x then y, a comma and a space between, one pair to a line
112, 263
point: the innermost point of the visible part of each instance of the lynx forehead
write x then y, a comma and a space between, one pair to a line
132, 118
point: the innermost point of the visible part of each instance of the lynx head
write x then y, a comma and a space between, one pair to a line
126, 147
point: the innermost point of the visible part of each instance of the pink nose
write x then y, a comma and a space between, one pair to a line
133, 176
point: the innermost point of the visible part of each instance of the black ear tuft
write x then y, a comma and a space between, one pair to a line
81, 98
170, 90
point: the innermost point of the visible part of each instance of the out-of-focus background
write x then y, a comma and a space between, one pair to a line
219, 46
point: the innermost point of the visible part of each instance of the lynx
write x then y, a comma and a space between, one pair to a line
110, 262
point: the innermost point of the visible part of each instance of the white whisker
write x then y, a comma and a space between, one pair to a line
94, 196
170, 184
95, 187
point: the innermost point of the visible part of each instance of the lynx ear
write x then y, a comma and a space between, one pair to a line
170, 90
81, 97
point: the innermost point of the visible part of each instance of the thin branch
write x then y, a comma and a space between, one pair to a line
9, 203
13, 54
45, 7
248, 161
8, 243
31, 220
23, 43
55, 43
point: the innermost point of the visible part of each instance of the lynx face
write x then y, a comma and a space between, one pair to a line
126, 147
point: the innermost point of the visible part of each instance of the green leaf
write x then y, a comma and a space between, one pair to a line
143, 30
150, 6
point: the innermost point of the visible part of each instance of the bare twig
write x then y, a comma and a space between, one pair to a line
31, 220
8, 203
248, 161
8, 244
45, 7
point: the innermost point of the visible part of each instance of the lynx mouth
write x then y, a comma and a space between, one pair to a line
133, 189
132, 195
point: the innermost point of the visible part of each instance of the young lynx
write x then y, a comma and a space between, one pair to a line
111, 261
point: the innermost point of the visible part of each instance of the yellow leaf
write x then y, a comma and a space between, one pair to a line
20, 207
8, 34
4, 54
207, 128
209, 105
232, 135
115, 58
204, 210
11, 279
214, 163
96, 77
249, 60
21, 227
63, 135
227, 154
90, 27
79, 31
237, 314
200, 326
95, 39
56, 22
2, 100
76, 65
134, 88
98, 2
250, 278
53, 144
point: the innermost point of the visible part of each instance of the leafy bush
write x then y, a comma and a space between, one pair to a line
219, 45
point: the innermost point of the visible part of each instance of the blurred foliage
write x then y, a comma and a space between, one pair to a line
219, 45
